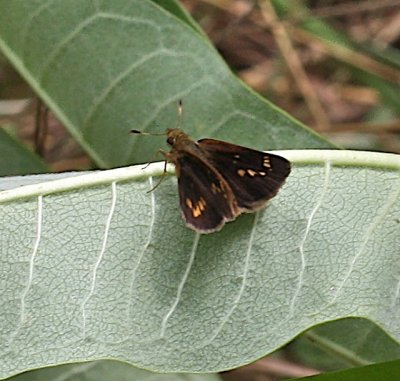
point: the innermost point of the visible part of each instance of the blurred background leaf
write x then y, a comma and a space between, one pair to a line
105, 68
388, 371
15, 159
106, 370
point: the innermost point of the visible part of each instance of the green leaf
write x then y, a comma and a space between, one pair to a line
106, 370
105, 67
16, 159
175, 8
388, 371
95, 267
344, 343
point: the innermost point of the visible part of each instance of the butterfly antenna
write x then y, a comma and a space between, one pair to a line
147, 133
180, 113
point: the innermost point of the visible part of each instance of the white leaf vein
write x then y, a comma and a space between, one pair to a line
24, 294
145, 247
181, 285
376, 222
305, 237
243, 283
100, 256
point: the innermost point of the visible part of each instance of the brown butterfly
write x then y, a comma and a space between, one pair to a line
218, 180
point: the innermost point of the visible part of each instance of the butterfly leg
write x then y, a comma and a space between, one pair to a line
164, 172
154, 156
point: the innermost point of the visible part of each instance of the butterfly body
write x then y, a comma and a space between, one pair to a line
218, 180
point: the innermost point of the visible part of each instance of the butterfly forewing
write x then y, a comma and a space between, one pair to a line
253, 176
206, 200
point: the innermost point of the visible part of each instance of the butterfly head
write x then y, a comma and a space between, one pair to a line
176, 137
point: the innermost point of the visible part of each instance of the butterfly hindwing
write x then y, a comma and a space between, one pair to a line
206, 200
253, 176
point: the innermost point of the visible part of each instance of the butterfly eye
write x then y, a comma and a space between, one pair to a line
171, 141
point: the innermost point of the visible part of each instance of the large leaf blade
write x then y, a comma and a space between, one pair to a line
98, 264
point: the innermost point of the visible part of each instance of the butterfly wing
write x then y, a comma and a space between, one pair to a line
206, 200
254, 176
